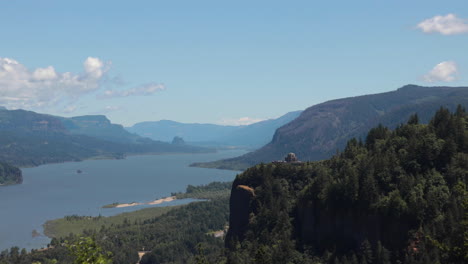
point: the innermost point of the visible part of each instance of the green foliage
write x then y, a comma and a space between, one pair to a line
210, 191
200, 257
171, 237
79, 224
86, 251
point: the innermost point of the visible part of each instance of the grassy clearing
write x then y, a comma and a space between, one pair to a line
77, 224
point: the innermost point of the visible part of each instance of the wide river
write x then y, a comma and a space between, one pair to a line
55, 190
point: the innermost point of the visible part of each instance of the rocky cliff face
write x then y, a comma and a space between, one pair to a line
240, 206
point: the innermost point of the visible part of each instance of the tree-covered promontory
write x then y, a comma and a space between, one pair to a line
397, 197
10, 174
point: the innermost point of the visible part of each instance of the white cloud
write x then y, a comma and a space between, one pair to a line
42, 74
94, 67
243, 121
443, 72
142, 90
445, 25
45, 87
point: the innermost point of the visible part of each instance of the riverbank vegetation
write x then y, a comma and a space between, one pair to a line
170, 234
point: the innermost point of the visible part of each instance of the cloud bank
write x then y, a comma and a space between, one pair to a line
43, 87
443, 72
445, 25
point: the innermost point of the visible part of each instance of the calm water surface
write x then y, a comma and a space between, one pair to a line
55, 190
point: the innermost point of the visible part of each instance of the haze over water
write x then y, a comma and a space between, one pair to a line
55, 190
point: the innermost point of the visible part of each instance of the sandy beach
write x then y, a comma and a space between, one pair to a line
163, 200
127, 205
158, 201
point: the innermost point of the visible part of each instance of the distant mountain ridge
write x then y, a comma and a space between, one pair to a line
324, 128
30, 139
22, 120
254, 135
99, 126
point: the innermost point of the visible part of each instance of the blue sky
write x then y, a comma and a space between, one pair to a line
219, 61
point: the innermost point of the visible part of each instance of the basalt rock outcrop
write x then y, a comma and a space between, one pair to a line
240, 206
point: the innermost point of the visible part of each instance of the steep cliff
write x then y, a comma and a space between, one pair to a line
240, 204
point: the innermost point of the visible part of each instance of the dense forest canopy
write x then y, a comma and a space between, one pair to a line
398, 196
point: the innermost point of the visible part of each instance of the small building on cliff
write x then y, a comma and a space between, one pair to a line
291, 158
